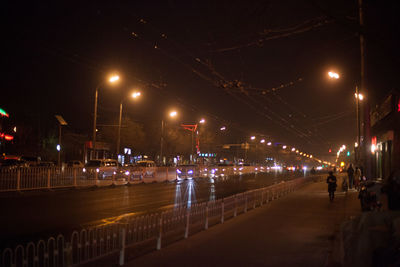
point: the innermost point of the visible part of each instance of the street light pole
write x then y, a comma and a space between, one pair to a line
119, 128
94, 122
161, 141
358, 125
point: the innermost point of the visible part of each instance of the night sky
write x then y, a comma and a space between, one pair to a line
209, 59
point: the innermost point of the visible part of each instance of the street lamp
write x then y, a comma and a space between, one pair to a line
112, 79
202, 121
359, 97
172, 114
134, 95
333, 75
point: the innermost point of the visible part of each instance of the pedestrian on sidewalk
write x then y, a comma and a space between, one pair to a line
357, 178
350, 173
331, 180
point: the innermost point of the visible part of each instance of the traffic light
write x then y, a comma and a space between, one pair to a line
348, 153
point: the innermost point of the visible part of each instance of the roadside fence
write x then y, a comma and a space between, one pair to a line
37, 178
116, 242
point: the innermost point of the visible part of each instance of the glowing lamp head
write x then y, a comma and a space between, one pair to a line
269, 143
262, 141
173, 114
113, 78
202, 121
223, 128
293, 149
253, 138
284, 147
333, 75
135, 94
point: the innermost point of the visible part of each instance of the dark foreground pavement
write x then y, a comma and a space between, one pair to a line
296, 230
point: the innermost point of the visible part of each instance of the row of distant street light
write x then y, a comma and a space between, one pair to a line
172, 114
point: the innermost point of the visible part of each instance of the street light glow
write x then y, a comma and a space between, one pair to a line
202, 121
136, 94
333, 75
284, 147
269, 143
293, 149
173, 114
262, 141
253, 137
223, 128
113, 78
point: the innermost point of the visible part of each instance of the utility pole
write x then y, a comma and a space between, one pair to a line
366, 142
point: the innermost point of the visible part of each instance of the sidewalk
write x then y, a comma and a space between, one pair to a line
296, 230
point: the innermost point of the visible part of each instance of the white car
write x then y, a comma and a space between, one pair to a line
105, 168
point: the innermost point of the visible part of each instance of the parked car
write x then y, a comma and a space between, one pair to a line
12, 163
145, 163
46, 164
104, 167
75, 164
31, 161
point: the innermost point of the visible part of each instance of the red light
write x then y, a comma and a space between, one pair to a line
8, 137
398, 106
373, 141
330, 150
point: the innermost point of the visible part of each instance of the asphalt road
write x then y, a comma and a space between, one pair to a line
30, 216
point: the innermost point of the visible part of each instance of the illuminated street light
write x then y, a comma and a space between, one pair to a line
293, 149
262, 141
269, 143
112, 79
134, 95
253, 137
355, 144
223, 128
333, 75
284, 147
202, 121
172, 114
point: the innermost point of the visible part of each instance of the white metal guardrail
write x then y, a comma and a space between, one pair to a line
33, 178
158, 229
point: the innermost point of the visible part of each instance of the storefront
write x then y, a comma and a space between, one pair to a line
385, 143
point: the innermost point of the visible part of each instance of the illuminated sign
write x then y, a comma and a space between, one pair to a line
3, 113
398, 106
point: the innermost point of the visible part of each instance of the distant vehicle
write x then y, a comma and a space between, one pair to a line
188, 171
46, 164
31, 161
104, 168
12, 163
75, 164
145, 163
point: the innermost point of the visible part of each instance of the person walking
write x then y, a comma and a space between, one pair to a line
350, 173
357, 178
331, 181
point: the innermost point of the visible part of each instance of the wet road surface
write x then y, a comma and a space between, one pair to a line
30, 216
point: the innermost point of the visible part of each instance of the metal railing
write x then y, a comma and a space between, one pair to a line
158, 229
34, 178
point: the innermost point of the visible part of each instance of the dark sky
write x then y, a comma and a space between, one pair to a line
207, 58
